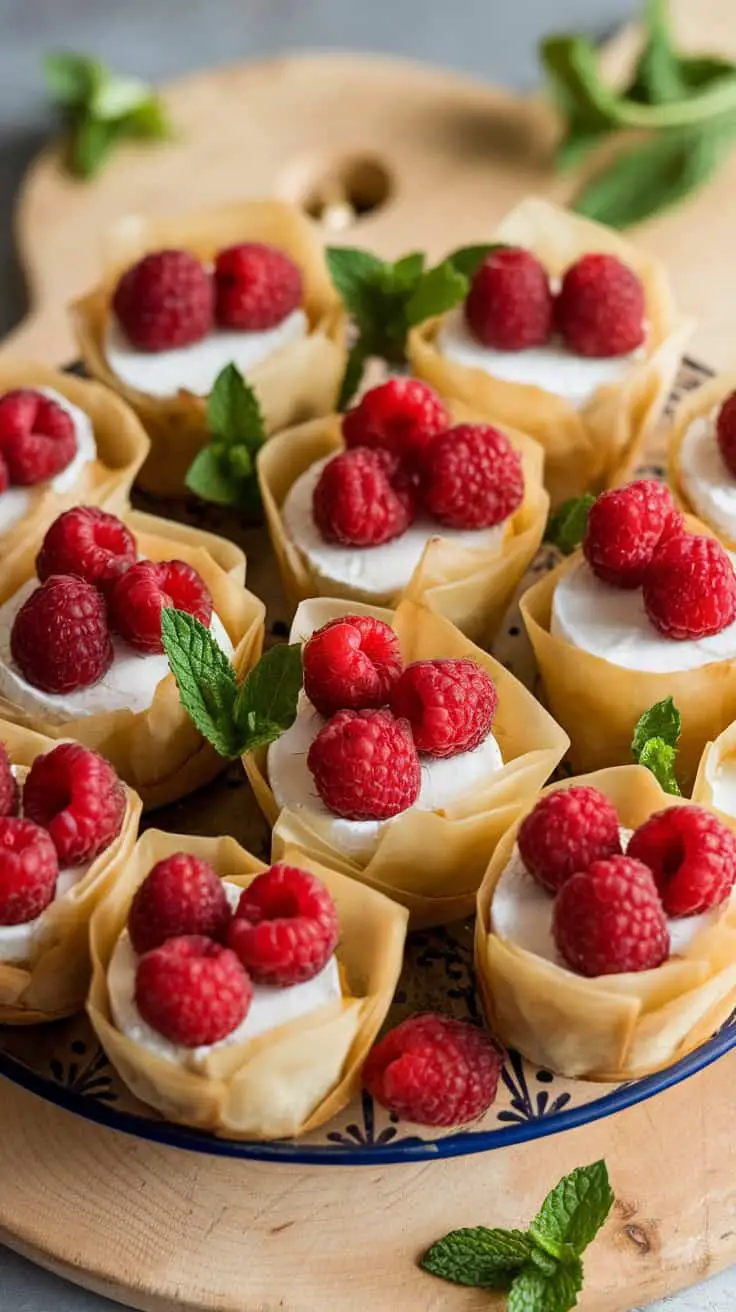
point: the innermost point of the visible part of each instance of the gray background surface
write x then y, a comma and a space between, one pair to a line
158, 39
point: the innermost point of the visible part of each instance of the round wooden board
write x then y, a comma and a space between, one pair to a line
163, 1229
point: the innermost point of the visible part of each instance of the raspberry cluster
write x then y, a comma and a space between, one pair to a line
37, 438
610, 910
170, 299
199, 958
365, 761
91, 587
402, 458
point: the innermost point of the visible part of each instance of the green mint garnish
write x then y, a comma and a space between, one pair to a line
234, 718
655, 740
385, 300
101, 109
566, 526
225, 470
539, 1268
684, 105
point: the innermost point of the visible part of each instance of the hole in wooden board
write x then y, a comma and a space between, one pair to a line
346, 191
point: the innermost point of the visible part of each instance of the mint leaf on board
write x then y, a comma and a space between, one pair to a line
533, 1291
573, 1212
90, 144
72, 79
662, 720
566, 526
267, 701
660, 758
209, 478
486, 1259
436, 291
233, 413
225, 471
658, 76
205, 677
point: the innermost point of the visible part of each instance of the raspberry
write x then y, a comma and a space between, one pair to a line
37, 437
351, 663
256, 286
608, 920
692, 856
689, 589
141, 593
510, 305
28, 871
434, 1070
76, 795
164, 301
180, 895
402, 416
726, 432
450, 705
285, 927
473, 477
365, 765
567, 830
60, 640
600, 309
192, 991
355, 502
9, 790
4, 474
625, 527
87, 542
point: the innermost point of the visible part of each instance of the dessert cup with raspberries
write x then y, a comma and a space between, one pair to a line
62, 440
701, 456
421, 752
644, 611
715, 782
406, 497
80, 639
68, 826
589, 399
605, 941
299, 963
179, 299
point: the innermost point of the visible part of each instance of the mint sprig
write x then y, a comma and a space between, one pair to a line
685, 105
539, 1268
234, 718
224, 471
566, 526
655, 740
100, 109
386, 300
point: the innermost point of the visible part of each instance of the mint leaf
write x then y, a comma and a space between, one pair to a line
353, 376
114, 97
72, 79
224, 472
468, 259
205, 677
350, 270
662, 720
233, 412
485, 1258
566, 526
573, 1212
408, 269
148, 121
436, 291
209, 478
658, 76
267, 701
533, 1291
659, 757
90, 145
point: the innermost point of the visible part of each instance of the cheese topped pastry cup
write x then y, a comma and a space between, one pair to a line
471, 586
53, 982
610, 1027
157, 751
715, 782
431, 862
596, 445
286, 1081
700, 482
106, 478
293, 383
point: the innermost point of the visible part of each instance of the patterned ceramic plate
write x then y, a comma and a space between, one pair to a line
64, 1063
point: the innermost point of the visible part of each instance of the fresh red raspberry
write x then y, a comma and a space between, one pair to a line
356, 503
689, 589
28, 871
692, 856
450, 705
90, 543
60, 640
601, 309
365, 765
37, 437
473, 477
4, 474
256, 286
76, 795
164, 301
141, 593
510, 305
351, 664
568, 830
180, 895
434, 1070
625, 527
726, 432
402, 416
608, 919
9, 790
285, 927
192, 990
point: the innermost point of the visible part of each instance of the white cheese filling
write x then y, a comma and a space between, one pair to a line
709, 484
